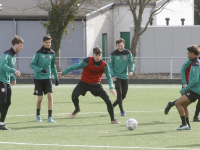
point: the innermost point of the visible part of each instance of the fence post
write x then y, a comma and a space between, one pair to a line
171, 69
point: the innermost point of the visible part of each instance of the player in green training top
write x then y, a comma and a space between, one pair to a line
118, 63
43, 65
192, 91
7, 62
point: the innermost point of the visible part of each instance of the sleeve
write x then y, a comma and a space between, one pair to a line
111, 65
194, 72
76, 66
33, 64
107, 72
53, 67
4, 64
131, 63
12, 78
183, 70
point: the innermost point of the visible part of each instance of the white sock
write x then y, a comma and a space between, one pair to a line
1, 123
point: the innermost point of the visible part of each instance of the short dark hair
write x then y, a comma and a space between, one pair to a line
194, 49
120, 40
47, 37
97, 50
17, 40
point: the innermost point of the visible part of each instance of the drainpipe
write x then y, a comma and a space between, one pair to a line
15, 26
84, 44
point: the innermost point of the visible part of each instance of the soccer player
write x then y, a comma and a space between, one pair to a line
185, 70
6, 74
118, 63
192, 91
43, 65
93, 68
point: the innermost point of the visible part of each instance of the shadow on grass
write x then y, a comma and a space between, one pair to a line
54, 125
155, 123
144, 133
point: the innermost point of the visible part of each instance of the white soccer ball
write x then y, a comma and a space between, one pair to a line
131, 124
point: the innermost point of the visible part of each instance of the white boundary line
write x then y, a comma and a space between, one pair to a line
87, 113
92, 146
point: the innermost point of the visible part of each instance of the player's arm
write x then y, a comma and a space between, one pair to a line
183, 70
108, 76
131, 63
53, 67
4, 64
33, 64
83, 63
111, 66
194, 72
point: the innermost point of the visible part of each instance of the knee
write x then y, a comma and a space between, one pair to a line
40, 98
74, 96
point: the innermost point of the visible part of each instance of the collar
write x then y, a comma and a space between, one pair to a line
13, 51
45, 50
97, 63
195, 59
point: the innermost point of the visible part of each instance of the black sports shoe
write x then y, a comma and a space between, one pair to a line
74, 113
3, 127
196, 120
167, 108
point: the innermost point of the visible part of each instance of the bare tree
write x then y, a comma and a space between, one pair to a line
196, 12
61, 13
137, 8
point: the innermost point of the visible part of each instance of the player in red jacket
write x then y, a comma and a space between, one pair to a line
93, 68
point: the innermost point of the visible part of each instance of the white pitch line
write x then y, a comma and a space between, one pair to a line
93, 146
89, 113
106, 86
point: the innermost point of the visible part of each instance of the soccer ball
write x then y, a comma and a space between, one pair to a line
131, 124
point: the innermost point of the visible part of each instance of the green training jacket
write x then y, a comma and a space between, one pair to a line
184, 70
7, 63
44, 59
194, 77
83, 63
118, 63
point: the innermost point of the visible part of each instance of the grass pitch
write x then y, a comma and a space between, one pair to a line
91, 128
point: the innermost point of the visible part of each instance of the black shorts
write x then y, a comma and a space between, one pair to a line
82, 88
192, 96
5, 91
43, 86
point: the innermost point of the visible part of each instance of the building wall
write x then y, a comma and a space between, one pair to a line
165, 42
95, 27
175, 11
32, 32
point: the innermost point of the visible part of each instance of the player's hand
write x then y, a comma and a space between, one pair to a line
13, 82
113, 92
44, 70
184, 85
130, 74
56, 83
59, 74
17, 73
114, 78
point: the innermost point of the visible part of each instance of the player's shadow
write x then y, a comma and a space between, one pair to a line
134, 134
55, 126
155, 123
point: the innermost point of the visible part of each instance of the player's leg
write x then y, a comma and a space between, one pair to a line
181, 104
196, 119
124, 87
98, 90
118, 88
169, 106
80, 89
5, 101
47, 89
38, 91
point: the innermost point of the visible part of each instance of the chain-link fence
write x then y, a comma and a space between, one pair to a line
145, 67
